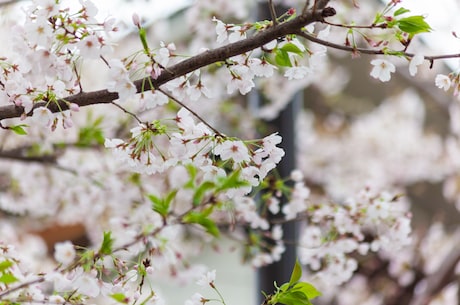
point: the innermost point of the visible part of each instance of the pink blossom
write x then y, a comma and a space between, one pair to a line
235, 150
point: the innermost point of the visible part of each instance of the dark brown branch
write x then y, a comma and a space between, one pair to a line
189, 65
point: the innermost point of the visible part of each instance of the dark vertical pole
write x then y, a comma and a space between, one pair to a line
285, 124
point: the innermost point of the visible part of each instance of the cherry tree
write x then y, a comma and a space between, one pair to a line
149, 145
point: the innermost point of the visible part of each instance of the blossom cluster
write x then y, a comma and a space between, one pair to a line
146, 152
50, 43
373, 222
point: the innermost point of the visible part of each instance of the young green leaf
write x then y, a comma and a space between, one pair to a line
201, 192
401, 11
107, 243
91, 133
232, 181
18, 129
202, 220
294, 298
413, 25
294, 292
161, 205
296, 274
192, 171
378, 18
8, 278
120, 298
5, 265
308, 289
282, 58
292, 48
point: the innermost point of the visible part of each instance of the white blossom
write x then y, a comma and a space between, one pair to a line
443, 82
235, 150
382, 69
64, 252
207, 279
297, 72
416, 61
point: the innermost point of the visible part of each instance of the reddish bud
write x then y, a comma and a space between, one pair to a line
136, 20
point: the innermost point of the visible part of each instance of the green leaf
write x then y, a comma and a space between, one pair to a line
284, 287
192, 171
107, 243
202, 220
91, 133
161, 205
378, 18
308, 289
293, 298
231, 181
170, 197
5, 265
292, 48
282, 58
8, 278
87, 259
401, 11
296, 273
413, 25
201, 191
18, 129
120, 298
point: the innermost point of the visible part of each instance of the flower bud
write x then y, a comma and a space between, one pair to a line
136, 20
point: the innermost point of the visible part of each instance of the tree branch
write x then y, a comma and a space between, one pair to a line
441, 278
189, 65
18, 155
369, 51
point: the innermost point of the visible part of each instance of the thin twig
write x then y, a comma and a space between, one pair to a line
370, 51
128, 112
191, 111
23, 285
349, 26
75, 70
271, 7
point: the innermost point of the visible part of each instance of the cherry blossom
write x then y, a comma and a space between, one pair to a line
235, 150
207, 279
297, 72
120, 81
443, 82
382, 69
64, 253
416, 61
